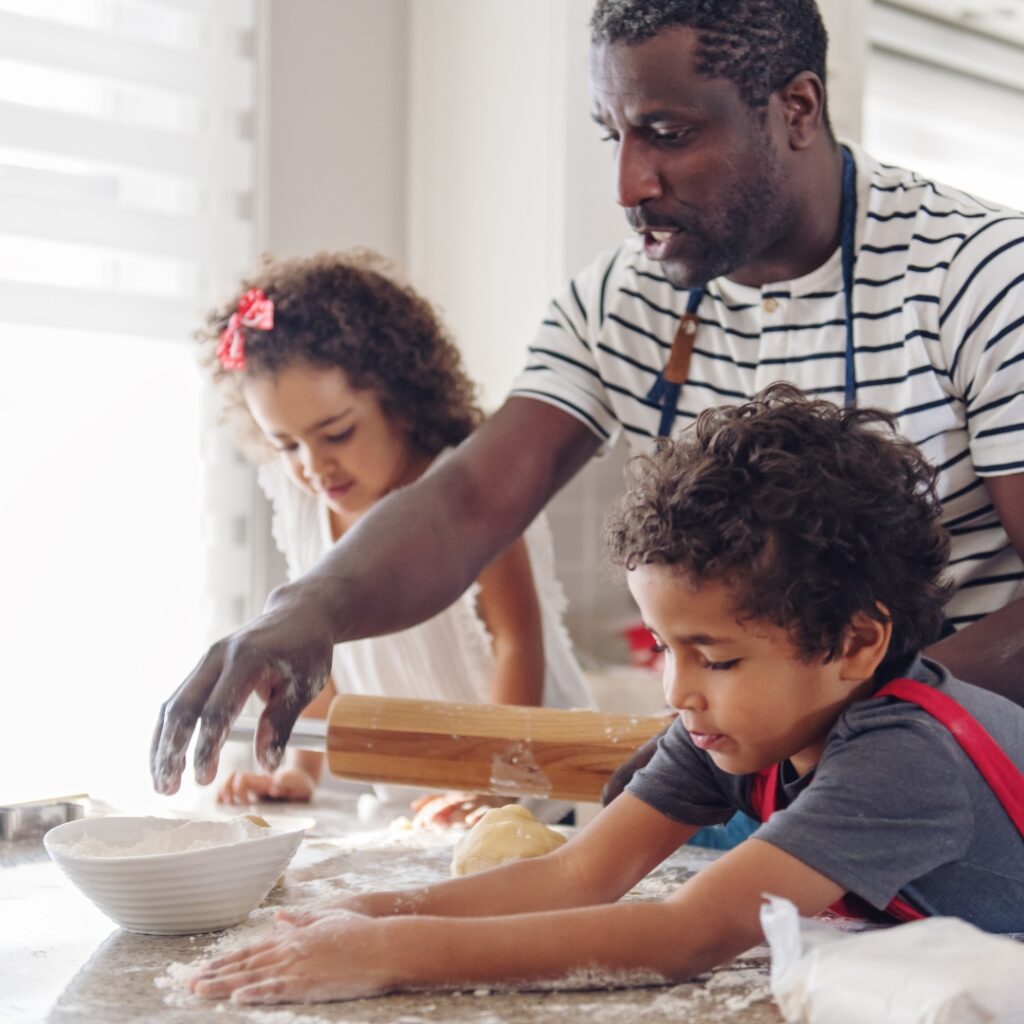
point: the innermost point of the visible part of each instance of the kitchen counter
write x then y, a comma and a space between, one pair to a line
63, 961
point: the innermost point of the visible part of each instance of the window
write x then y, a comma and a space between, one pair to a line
126, 167
945, 92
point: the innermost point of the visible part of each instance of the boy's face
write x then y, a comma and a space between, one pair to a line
741, 689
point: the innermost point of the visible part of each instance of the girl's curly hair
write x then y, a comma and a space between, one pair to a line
808, 511
348, 311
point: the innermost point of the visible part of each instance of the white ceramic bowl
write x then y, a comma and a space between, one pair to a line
172, 893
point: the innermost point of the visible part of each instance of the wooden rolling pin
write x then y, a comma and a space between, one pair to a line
485, 748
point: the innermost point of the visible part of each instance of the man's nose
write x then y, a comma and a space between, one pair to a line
637, 175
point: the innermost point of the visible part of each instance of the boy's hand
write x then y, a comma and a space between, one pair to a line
309, 958
248, 787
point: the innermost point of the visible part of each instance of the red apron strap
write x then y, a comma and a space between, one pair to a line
1002, 775
764, 791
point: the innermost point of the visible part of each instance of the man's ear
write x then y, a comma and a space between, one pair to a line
866, 644
803, 108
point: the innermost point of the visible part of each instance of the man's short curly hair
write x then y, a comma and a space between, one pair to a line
758, 44
348, 311
809, 512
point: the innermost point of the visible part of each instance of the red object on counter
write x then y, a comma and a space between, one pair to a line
641, 647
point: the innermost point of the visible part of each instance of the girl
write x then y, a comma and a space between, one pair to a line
344, 385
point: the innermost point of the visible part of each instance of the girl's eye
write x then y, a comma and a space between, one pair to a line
343, 436
657, 648
722, 666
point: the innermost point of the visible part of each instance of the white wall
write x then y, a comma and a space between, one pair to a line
334, 138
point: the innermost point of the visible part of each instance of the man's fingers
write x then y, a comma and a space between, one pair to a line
177, 722
288, 696
238, 678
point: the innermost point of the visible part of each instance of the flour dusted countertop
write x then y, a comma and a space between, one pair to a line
65, 963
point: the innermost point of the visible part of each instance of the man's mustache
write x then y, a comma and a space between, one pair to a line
647, 220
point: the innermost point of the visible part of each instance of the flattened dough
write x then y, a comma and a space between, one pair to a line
502, 834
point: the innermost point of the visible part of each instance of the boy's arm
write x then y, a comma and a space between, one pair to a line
596, 866
711, 918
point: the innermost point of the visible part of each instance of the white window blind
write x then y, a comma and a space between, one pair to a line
126, 184
945, 92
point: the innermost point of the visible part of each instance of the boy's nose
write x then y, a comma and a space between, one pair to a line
681, 694
637, 177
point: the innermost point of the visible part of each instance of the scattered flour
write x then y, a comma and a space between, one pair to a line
281, 1017
329, 868
159, 838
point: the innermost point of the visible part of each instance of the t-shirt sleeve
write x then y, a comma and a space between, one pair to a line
981, 317
887, 805
680, 782
561, 367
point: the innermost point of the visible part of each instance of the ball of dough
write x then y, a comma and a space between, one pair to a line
503, 833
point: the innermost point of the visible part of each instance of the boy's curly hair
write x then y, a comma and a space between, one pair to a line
348, 311
809, 512
758, 44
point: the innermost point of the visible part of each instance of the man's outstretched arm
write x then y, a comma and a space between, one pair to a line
407, 559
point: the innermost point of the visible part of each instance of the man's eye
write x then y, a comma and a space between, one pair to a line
671, 136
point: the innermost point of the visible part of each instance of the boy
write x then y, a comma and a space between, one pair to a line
788, 556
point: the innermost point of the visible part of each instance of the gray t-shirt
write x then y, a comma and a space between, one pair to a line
894, 806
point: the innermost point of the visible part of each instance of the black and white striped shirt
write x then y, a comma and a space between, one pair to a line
938, 306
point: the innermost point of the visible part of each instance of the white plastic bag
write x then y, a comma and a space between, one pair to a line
937, 971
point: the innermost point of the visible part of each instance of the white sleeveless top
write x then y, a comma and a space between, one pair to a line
448, 657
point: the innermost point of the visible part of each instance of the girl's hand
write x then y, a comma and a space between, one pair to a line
248, 787
310, 958
453, 809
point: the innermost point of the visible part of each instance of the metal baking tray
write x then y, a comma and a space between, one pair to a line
19, 821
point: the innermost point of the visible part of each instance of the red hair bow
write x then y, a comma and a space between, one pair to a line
254, 310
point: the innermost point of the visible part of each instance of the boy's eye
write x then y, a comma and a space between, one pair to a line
722, 666
657, 648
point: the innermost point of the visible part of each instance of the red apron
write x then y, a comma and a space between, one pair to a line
1002, 775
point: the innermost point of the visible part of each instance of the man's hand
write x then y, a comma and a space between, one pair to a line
284, 656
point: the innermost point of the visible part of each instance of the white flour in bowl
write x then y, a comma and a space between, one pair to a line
188, 835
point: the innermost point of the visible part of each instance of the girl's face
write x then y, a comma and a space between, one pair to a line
333, 440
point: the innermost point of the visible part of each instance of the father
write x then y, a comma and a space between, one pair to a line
762, 250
